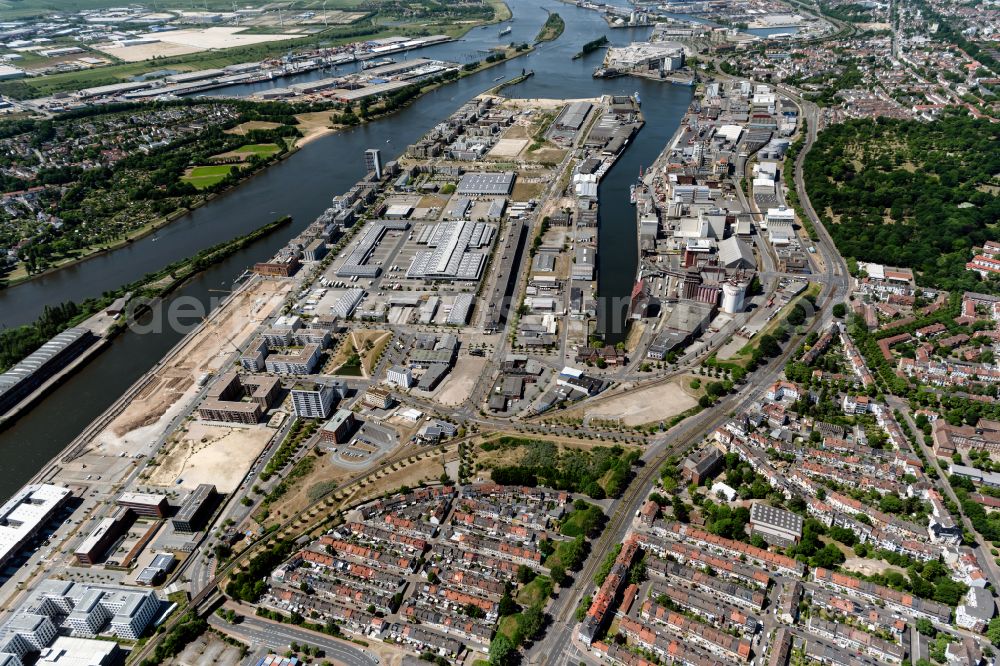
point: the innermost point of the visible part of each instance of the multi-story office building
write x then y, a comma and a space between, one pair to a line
373, 162
144, 504
195, 509
300, 361
400, 376
76, 608
338, 429
313, 401
225, 399
378, 398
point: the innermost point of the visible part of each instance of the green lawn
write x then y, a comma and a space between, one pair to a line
508, 626
582, 521
206, 176
262, 149
535, 593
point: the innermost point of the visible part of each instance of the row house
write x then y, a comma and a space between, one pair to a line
685, 554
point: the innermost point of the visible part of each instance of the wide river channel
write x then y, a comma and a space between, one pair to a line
302, 185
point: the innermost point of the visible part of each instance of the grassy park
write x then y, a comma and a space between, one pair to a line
203, 177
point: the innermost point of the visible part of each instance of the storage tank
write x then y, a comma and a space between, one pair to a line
732, 297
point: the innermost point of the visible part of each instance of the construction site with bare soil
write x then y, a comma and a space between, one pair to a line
169, 391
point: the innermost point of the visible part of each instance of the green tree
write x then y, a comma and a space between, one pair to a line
502, 651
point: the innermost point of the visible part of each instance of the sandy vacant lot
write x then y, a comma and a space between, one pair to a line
459, 383
657, 403
209, 453
868, 567
508, 148
215, 38
173, 385
141, 52
539, 103
182, 42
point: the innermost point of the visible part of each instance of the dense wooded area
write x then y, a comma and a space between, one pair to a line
907, 193
600, 472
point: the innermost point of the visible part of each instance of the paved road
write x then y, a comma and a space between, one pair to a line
258, 632
559, 647
990, 567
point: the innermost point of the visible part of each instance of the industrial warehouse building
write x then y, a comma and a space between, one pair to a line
460, 310
24, 514
572, 116
776, 526
480, 183
356, 263
452, 257
17, 383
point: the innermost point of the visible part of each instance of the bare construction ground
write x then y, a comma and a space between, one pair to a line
173, 385
460, 382
141, 52
869, 567
208, 453
507, 148
216, 38
657, 403
183, 42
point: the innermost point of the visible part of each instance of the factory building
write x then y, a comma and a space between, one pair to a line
283, 267
733, 297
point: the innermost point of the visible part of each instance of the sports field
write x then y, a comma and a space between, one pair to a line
206, 176
262, 149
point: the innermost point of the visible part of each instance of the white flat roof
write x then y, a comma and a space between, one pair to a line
25, 512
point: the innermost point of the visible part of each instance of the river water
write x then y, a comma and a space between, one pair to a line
302, 185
